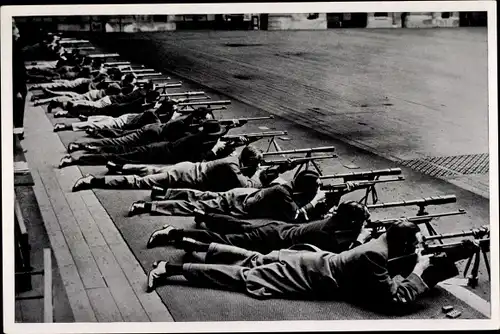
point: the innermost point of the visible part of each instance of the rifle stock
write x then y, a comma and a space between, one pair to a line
435, 200
364, 174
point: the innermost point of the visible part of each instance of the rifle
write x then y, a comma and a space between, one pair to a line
81, 48
464, 249
103, 55
117, 63
297, 160
244, 120
208, 103
188, 99
421, 202
233, 140
364, 174
303, 150
138, 71
181, 94
382, 223
359, 184
164, 85
154, 74
73, 41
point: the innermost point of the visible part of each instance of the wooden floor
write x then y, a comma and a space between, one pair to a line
103, 280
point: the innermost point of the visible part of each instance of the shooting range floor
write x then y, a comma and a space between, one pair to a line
414, 96
102, 253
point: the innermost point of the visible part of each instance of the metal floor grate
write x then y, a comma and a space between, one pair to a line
452, 165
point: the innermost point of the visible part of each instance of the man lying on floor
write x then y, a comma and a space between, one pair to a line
62, 98
218, 175
148, 134
295, 201
340, 232
359, 274
204, 145
137, 101
80, 85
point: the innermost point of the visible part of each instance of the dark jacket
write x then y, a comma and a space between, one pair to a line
363, 275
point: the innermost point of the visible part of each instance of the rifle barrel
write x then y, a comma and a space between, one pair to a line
138, 71
359, 183
256, 134
171, 85
370, 173
482, 231
246, 119
296, 160
435, 200
208, 103
103, 55
182, 94
117, 63
304, 150
415, 219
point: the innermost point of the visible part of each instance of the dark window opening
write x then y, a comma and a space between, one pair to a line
381, 14
445, 15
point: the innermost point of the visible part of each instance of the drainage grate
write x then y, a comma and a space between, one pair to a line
451, 166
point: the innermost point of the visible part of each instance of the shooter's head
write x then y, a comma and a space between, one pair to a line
402, 238
250, 159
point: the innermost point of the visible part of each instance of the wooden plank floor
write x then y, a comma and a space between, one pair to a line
103, 280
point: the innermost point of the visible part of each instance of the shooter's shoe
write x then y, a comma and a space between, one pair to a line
199, 217
73, 147
83, 183
157, 193
61, 127
114, 168
190, 245
138, 208
158, 273
161, 237
60, 114
66, 161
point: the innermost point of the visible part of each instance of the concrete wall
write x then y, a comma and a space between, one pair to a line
413, 20
296, 22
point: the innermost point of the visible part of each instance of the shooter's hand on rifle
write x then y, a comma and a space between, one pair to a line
364, 235
319, 198
423, 262
285, 167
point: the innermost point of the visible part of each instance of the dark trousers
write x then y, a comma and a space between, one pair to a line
18, 110
159, 153
146, 118
264, 238
271, 236
110, 133
144, 136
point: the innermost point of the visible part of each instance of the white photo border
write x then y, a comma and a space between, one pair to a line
7, 12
